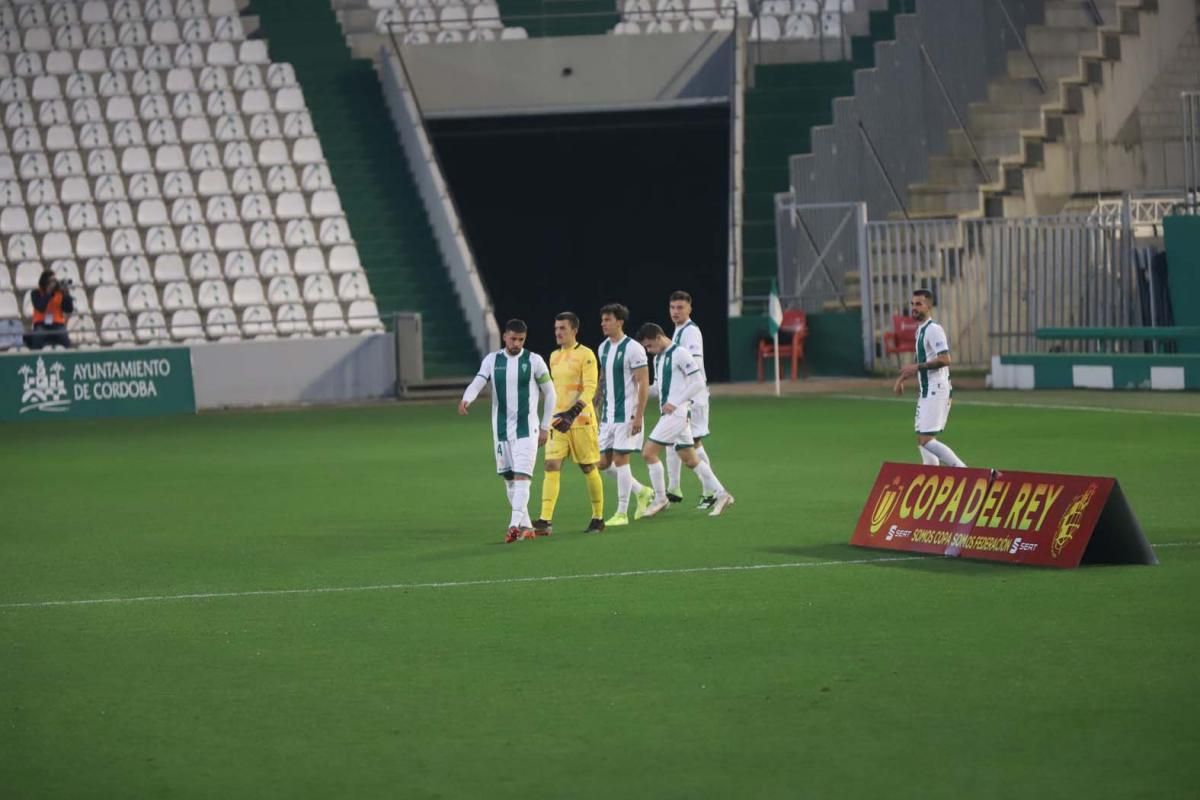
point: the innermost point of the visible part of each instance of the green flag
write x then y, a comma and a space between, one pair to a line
774, 309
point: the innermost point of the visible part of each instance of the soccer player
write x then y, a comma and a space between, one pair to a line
573, 368
513, 372
932, 370
687, 335
680, 380
626, 378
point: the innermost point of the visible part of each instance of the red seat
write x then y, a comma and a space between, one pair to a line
792, 334
903, 336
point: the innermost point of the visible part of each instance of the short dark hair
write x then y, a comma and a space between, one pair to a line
650, 330
928, 295
617, 310
516, 326
45, 278
571, 317
681, 295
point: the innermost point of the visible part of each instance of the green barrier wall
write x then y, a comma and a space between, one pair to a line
834, 346
108, 383
1182, 236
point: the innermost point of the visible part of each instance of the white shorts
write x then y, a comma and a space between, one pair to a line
615, 436
516, 455
673, 430
699, 420
933, 410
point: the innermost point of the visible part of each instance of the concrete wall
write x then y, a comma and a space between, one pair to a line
570, 74
292, 371
1128, 134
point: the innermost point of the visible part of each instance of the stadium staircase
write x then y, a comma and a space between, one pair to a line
1014, 126
383, 208
784, 104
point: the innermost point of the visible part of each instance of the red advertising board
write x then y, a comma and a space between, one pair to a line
1015, 517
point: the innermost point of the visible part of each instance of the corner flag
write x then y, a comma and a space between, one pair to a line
775, 321
775, 310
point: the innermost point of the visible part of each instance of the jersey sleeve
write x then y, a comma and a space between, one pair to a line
487, 366
686, 363
693, 341
589, 376
936, 342
541, 373
635, 356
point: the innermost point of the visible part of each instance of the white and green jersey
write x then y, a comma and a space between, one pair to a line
515, 381
618, 364
931, 343
688, 336
679, 378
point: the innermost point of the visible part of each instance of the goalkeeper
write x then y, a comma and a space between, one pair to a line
574, 430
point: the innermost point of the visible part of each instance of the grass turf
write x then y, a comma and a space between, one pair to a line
917, 678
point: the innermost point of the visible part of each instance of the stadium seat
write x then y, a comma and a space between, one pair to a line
222, 323
178, 295
107, 298
299, 233
134, 270
353, 286
343, 259
274, 261
213, 294
203, 267
256, 207
116, 328
309, 261
26, 275
283, 290
168, 269
151, 327
292, 320
363, 315
793, 331
239, 264
248, 292
186, 325
99, 272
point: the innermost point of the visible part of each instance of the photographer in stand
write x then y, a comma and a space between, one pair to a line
51, 304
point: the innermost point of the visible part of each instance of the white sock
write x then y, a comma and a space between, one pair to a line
658, 481
708, 479
702, 454
928, 458
673, 467
624, 486
944, 453
610, 471
635, 487
519, 498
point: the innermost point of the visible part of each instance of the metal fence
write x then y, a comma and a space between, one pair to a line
997, 281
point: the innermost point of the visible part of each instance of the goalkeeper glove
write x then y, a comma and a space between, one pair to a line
564, 419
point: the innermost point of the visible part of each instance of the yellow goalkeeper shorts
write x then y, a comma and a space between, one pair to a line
581, 443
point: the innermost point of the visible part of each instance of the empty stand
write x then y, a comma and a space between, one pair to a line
159, 161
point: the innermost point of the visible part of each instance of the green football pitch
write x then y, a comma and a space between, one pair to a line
318, 604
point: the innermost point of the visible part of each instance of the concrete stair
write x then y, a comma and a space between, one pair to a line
1009, 130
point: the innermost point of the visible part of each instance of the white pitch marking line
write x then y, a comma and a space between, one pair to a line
1040, 406
449, 584
485, 582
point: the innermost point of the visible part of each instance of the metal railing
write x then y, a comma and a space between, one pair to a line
996, 281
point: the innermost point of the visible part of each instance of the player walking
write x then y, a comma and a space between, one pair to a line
626, 379
679, 379
573, 368
687, 335
513, 372
932, 370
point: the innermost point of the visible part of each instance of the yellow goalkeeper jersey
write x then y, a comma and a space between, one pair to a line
575, 377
